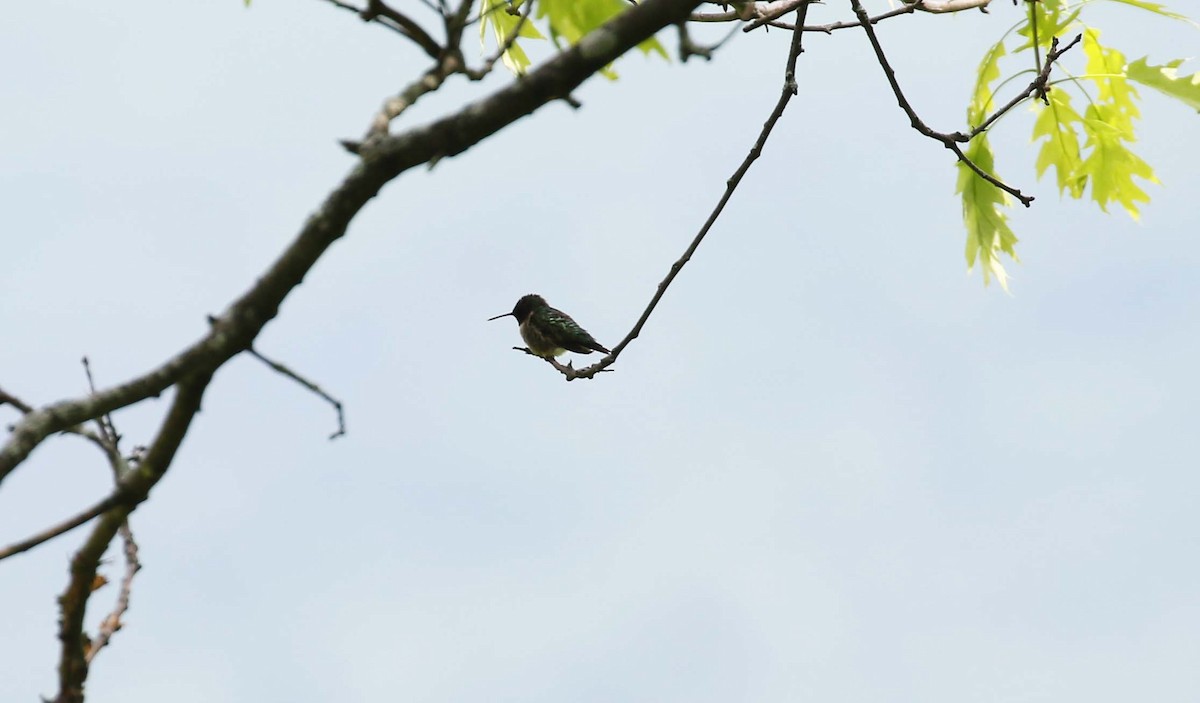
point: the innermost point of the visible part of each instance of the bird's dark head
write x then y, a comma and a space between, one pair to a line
524, 307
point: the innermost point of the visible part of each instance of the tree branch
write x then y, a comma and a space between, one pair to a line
73, 661
112, 623
1036, 87
834, 26
61, 528
789, 90
398, 22
285, 371
237, 327
950, 141
410, 29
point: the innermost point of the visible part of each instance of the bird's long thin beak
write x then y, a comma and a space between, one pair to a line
499, 316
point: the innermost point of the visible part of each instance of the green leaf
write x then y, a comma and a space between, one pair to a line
496, 15
1156, 9
1166, 80
571, 19
988, 73
1111, 165
1106, 68
988, 233
1059, 124
1050, 23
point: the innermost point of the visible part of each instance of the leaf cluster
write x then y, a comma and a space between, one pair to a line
1089, 147
566, 22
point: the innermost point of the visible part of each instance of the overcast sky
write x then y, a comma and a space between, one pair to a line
834, 467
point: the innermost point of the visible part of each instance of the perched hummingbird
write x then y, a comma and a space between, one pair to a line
550, 332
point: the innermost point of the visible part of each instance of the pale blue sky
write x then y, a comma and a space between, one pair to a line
833, 468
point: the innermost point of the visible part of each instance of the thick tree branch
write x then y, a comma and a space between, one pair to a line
73, 661
382, 161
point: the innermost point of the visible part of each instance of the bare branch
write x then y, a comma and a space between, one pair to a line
394, 20
1036, 87
456, 23
789, 90
15, 402
61, 528
77, 430
773, 11
429, 81
950, 141
834, 26
73, 661
110, 439
410, 29
112, 623
946, 6
281, 369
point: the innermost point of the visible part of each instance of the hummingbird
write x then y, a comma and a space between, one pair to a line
550, 332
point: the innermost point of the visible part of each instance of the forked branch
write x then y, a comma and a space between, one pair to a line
951, 140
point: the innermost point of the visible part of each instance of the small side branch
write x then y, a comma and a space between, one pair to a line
105, 440
14, 401
398, 22
392, 108
61, 528
112, 623
285, 371
1036, 87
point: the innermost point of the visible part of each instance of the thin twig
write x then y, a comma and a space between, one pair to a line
15, 402
109, 439
1036, 87
773, 11
789, 90
112, 623
834, 26
411, 31
108, 431
281, 369
63, 527
431, 80
950, 141
77, 430
449, 60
